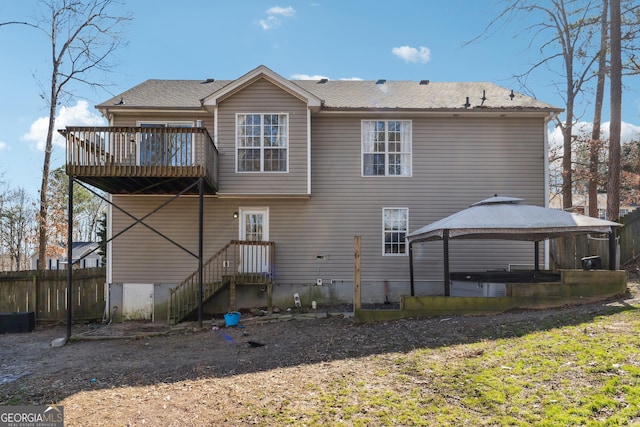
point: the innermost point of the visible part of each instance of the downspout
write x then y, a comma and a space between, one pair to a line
547, 184
109, 256
215, 126
308, 151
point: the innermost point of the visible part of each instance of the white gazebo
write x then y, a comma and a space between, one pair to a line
506, 218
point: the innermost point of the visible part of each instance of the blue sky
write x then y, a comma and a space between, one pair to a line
337, 39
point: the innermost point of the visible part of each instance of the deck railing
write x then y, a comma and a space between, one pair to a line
239, 262
141, 151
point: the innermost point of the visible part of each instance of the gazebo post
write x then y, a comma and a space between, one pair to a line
447, 281
411, 268
612, 250
536, 255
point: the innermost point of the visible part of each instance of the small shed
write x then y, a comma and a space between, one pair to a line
506, 218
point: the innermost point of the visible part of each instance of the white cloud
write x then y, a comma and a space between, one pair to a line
300, 76
629, 132
77, 115
284, 11
268, 23
411, 54
308, 77
3, 146
274, 16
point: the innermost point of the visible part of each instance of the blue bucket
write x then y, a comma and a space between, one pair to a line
232, 319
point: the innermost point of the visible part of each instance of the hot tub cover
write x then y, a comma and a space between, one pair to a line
506, 218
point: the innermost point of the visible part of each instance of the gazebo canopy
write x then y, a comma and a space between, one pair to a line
505, 218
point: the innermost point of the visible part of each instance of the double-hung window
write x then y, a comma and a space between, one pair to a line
386, 148
262, 142
395, 223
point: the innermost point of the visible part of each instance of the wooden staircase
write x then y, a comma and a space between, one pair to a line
238, 263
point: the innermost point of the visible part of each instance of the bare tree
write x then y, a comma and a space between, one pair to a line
595, 143
83, 35
615, 126
629, 34
16, 222
87, 208
565, 30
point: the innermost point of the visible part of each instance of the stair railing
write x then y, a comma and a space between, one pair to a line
237, 262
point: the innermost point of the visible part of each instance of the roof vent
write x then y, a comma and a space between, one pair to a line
467, 104
424, 82
210, 80
381, 82
323, 81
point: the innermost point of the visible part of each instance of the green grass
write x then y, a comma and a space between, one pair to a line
585, 374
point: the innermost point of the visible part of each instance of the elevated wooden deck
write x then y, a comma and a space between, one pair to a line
142, 160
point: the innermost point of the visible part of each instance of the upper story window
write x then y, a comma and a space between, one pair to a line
386, 148
166, 148
395, 223
262, 142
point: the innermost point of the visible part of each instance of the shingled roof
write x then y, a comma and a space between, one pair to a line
342, 95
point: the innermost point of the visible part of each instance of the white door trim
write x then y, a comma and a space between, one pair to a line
243, 222
254, 259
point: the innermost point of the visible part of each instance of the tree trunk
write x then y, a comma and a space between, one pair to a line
594, 148
613, 182
44, 196
567, 175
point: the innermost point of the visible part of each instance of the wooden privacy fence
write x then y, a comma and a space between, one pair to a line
45, 293
630, 237
567, 252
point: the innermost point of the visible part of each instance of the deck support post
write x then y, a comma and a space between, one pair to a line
200, 247
536, 256
270, 297
232, 295
69, 259
357, 290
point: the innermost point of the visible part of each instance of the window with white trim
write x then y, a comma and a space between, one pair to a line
395, 223
262, 142
386, 148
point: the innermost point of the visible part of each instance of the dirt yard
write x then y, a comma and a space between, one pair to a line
32, 371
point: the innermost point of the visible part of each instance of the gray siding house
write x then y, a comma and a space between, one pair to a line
88, 251
305, 166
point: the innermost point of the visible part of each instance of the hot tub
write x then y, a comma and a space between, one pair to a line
493, 283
